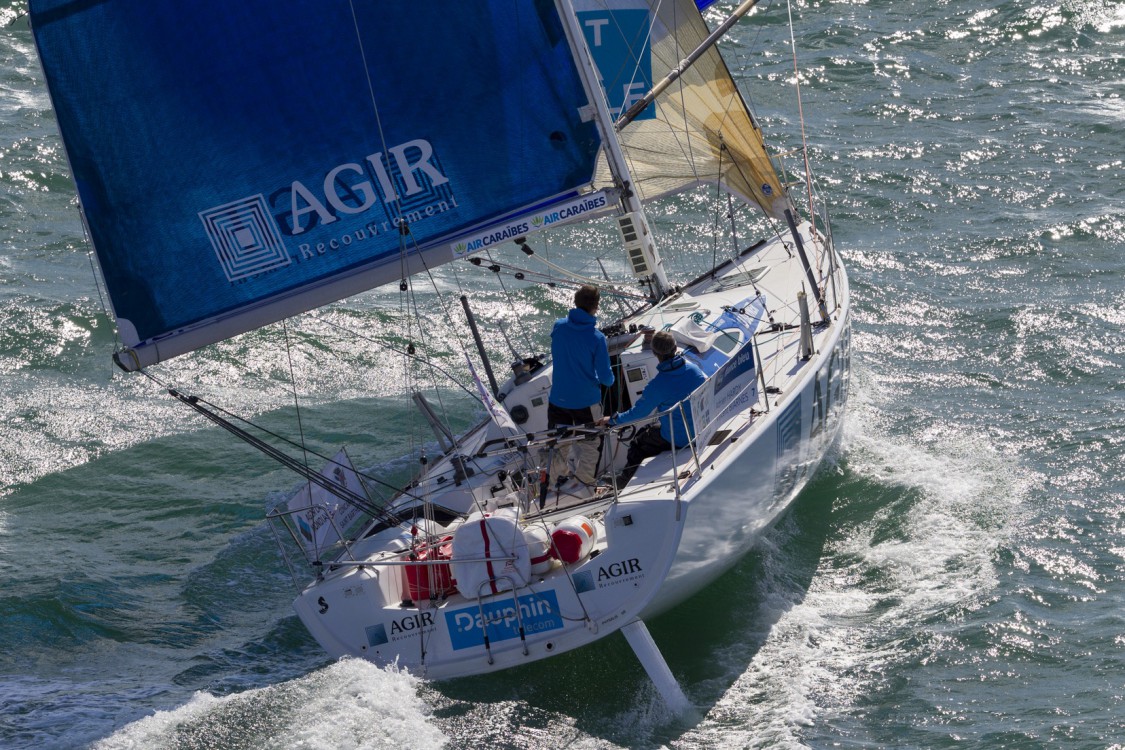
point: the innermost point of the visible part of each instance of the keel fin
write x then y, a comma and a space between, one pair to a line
653, 662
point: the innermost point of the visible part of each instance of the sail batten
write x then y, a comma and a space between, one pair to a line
238, 164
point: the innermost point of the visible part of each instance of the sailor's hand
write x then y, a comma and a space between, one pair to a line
603, 422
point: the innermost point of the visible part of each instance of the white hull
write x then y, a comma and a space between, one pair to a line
654, 549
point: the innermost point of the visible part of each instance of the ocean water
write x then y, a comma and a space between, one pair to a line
953, 577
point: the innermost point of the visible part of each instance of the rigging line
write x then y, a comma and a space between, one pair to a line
641, 104
715, 226
801, 115
457, 275
429, 363
445, 311
632, 51
770, 221
406, 322
345, 494
511, 306
222, 417
296, 401
728, 112
396, 201
689, 157
416, 315
766, 5
97, 282
371, 91
522, 274
622, 311
608, 131
566, 272
736, 95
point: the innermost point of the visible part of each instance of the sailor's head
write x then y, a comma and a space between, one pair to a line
663, 345
587, 298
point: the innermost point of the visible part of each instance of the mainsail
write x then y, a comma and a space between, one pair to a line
677, 143
238, 163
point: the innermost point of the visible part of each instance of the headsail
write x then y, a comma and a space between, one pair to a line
240, 163
676, 143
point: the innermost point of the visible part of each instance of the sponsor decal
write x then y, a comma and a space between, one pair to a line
376, 634
411, 623
538, 612
572, 209
742, 363
405, 184
789, 427
510, 231
245, 238
311, 250
731, 388
612, 574
407, 173
620, 572
400, 628
619, 41
828, 391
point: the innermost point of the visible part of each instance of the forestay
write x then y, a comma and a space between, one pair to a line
238, 163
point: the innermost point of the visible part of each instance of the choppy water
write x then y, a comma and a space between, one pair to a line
955, 579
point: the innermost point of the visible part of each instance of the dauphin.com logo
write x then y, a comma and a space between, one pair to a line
537, 612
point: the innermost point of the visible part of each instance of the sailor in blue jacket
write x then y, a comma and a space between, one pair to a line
580, 358
675, 380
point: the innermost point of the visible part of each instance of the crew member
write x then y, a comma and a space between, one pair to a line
580, 359
675, 380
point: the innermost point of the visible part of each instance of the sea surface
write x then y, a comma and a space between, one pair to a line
954, 576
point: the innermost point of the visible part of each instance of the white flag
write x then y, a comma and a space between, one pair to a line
499, 414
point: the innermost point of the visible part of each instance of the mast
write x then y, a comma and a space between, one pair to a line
639, 244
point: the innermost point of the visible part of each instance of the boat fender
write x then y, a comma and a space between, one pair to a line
539, 548
572, 539
479, 546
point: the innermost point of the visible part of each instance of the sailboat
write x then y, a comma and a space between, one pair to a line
239, 164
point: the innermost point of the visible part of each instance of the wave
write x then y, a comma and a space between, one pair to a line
349, 704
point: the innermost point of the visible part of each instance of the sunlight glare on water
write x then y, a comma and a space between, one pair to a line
954, 579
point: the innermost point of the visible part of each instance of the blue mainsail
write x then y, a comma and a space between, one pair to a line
241, 162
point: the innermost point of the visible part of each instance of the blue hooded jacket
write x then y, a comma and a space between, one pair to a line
675, 380
580, 359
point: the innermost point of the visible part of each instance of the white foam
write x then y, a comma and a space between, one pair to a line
350, 705
953, 498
